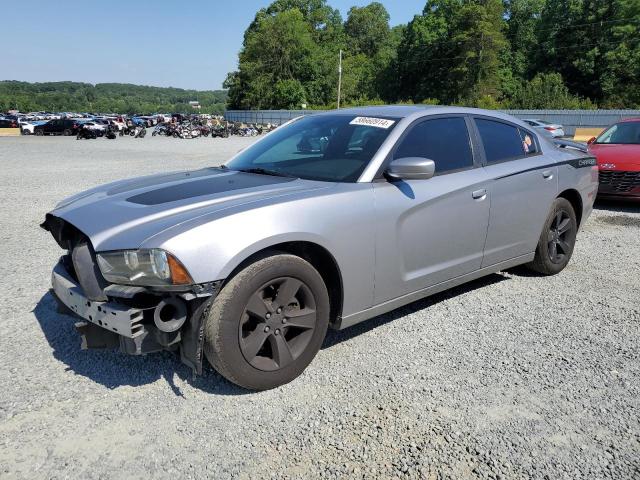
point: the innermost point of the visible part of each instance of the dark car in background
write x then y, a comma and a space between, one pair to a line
8, 123
63, 126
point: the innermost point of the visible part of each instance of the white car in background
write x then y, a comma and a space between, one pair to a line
553, 129
27, 126
97, 125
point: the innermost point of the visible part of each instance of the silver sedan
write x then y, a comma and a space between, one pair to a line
554, 130
328, 221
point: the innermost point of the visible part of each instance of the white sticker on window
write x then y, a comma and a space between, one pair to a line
373, 122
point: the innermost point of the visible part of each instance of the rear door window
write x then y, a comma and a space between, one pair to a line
501, 141
443, 140
528, 143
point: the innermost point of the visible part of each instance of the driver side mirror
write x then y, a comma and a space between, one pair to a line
591, 140
411, 168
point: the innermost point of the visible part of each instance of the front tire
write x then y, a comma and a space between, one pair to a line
557, 240
268, 323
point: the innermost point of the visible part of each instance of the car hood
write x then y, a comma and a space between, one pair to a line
623, 157
124, 214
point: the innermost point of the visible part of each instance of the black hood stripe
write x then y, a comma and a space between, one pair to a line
206, 186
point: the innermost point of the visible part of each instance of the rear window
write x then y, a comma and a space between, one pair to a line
501, 141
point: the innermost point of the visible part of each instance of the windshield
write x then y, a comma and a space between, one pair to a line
621, 133
333, 148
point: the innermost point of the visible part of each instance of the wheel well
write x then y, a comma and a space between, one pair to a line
576, 202
319, 258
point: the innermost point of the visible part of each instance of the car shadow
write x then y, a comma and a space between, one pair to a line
613, 205
335, 337
113, 369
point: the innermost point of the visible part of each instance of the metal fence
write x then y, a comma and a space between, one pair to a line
570, 119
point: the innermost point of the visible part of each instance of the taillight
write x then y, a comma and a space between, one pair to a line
551, 129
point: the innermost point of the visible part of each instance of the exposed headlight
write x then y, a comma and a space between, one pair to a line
153, 267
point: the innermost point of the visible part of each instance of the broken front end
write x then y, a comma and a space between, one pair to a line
139, 301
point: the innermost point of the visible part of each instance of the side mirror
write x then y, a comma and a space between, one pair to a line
411, 168
591, 140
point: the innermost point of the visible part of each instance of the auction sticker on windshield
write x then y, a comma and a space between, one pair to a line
373, 122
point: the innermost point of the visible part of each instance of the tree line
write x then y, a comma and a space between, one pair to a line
105, 98
486, 53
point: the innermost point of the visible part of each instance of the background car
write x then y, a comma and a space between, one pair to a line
8, 123
28, 126
556, 130
64, 127
99, 126
618, 152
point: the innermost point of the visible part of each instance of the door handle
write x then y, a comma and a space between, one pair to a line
548, 174
479, 194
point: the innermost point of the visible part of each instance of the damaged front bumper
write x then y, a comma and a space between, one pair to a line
137, 320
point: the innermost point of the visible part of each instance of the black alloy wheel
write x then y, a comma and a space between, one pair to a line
277, 324
557, 237
268, 322
557, 240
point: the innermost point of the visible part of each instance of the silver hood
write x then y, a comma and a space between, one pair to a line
126, 213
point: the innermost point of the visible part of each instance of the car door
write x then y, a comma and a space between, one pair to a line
524, 183
53, 126
430, 231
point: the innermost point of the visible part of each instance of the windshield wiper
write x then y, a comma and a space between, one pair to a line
264, 171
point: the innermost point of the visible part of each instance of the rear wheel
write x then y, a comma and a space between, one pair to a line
557, 240
39, 133
268, 323
67, 132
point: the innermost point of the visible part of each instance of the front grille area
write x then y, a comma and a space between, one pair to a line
619, 182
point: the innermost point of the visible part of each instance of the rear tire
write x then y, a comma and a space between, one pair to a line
557, 240
39, 133
67, 132
258, 340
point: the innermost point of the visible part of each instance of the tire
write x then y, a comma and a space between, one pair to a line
270, 346
39, 133
557, 240
67, 132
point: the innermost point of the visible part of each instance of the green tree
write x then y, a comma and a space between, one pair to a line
452, 52
367, 29
547, 91
288, 94
595, 46
104, 98
278, 49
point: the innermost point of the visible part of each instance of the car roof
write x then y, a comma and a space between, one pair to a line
403, 111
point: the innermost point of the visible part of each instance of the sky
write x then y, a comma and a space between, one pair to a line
187, 44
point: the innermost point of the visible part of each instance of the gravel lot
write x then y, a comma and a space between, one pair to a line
512, 376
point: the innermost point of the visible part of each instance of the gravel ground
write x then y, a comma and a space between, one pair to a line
512, 376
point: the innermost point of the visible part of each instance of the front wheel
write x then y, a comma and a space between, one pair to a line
268, 323
557, 240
